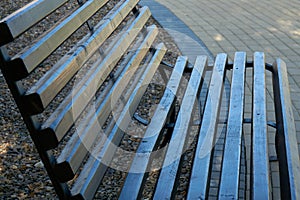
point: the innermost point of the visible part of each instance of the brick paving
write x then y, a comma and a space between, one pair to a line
229, 26
269, 26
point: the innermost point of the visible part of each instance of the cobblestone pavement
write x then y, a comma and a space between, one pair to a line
254, 25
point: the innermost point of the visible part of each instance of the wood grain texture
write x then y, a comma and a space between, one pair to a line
47, 44
286, 141
167, 181
198, 187
260, 183
138, 170
80, 143
41, 94
72, 106
22, 19
230, 174
92, 174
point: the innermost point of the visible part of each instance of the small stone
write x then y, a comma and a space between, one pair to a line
14, 167
39, 164
20, 176
49, 188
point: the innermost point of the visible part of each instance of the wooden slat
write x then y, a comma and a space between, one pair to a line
167, 179
229, 184
287, 147
93, 172
198, 187
75, 150
60, 121
46, 45
21, 20
260, 182
137, 172
41, 94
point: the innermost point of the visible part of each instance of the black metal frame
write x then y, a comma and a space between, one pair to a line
33, 125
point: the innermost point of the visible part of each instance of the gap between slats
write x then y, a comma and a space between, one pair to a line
198, 186
80, 143
136, 176
55, 128
41, 94
167, 180
94, 169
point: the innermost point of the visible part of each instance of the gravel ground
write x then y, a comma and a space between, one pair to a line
22, 175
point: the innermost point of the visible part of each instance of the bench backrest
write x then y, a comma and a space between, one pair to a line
55, 80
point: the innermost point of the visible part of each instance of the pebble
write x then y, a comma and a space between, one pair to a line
48, 188
20, 176
39, 164
14, 167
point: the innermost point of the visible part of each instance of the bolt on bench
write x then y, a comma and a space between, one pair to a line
77, 110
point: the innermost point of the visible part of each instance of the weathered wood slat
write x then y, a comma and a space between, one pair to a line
32, 57
229, 183
75, 150
198, 187
166, 184
59, 122
137, 172
260, 182
98, 135
286, 141
41, 94
21, 20
93, 172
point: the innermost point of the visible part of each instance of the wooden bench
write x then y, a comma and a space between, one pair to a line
78, 110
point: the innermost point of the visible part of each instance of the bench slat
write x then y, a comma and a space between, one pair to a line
21, 20
61, 120
27, 61
229, 184
75, 150
260, 161
92, 174
286, 141
136, 176
198, 187
41, 94
167, 179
